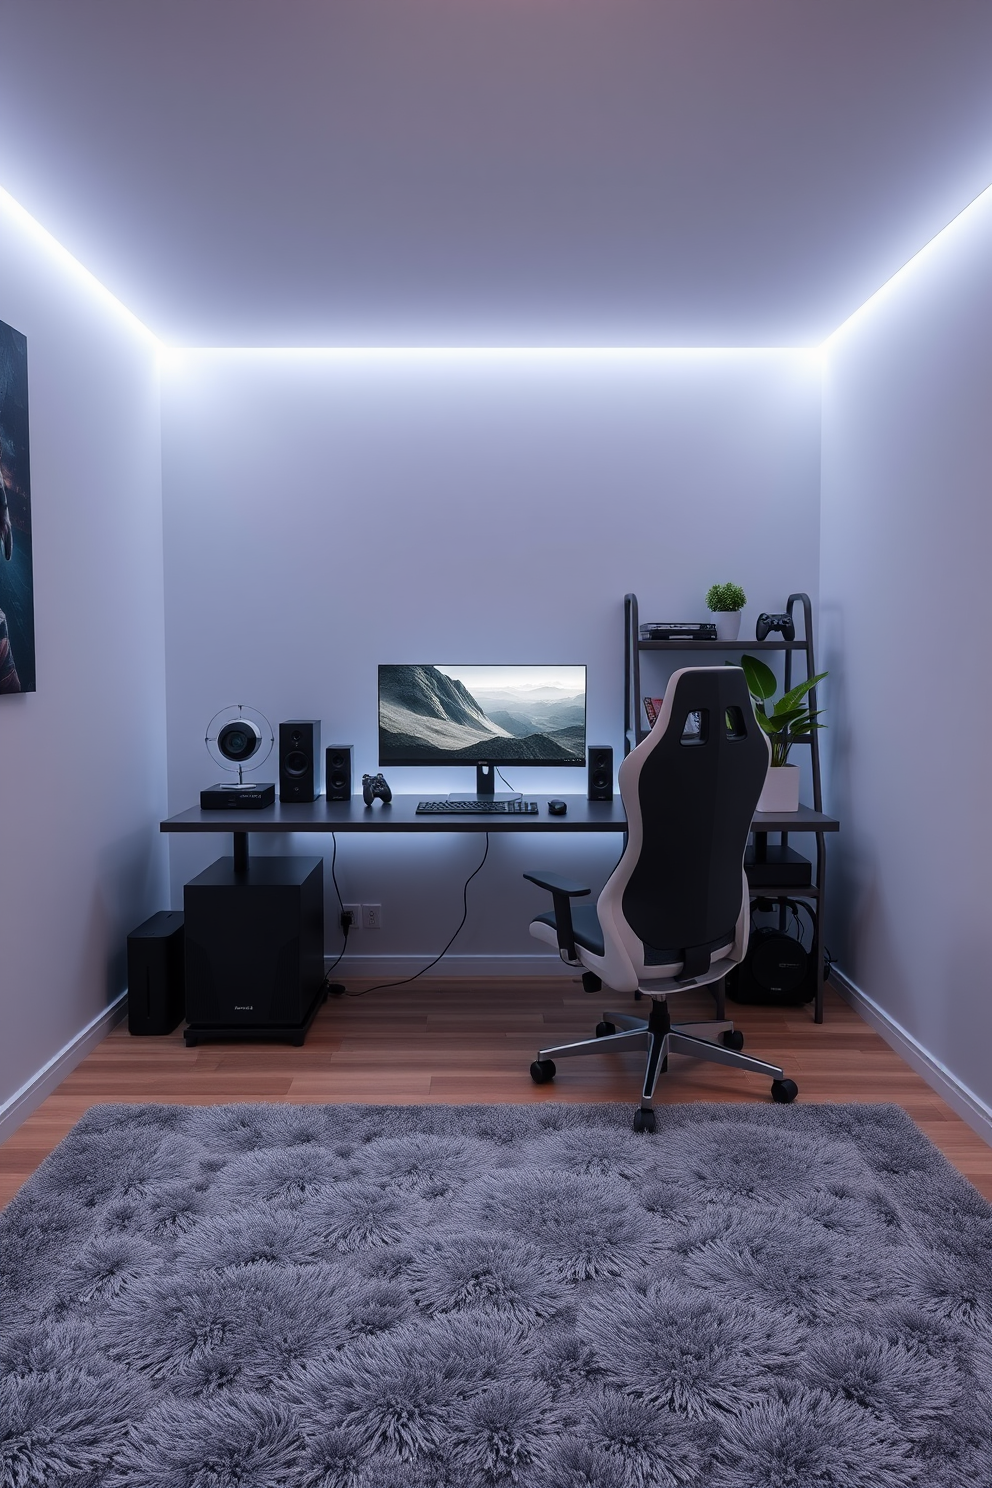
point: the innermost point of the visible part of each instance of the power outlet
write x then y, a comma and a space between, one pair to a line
355, 910
371, 916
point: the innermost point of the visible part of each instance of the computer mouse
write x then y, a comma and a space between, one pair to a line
557, 807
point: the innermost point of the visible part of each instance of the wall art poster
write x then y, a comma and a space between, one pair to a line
16, 573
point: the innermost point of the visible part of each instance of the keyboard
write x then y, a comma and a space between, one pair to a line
486, 808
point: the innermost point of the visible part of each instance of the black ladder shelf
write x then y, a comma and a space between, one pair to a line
804, 820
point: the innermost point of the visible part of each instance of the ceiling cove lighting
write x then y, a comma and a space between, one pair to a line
371, 355
967, 216
21, 218
549, 355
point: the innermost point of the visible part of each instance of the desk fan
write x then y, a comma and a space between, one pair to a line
234, 736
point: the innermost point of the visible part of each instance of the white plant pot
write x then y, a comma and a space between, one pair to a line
780, 791
728, 625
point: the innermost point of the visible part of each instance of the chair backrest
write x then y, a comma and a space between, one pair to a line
689, 790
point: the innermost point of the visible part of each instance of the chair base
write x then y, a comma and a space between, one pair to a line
659, 1036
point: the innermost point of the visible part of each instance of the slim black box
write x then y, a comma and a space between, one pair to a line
781, 867
254, 949
252, 796
155, 994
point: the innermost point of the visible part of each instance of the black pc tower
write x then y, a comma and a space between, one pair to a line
155, 997
254, 949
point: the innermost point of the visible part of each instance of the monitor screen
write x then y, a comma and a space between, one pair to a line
510, 715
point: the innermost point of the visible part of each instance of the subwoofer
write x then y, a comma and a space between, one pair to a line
600, 760
338, 772
254, 949
299, 760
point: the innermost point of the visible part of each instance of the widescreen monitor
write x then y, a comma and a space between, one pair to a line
505, 715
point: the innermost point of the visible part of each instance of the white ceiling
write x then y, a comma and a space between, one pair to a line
494, 172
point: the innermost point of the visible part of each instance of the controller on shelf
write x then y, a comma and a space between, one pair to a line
373, 786
765, 623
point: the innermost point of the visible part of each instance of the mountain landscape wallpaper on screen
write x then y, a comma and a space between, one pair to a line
429, 714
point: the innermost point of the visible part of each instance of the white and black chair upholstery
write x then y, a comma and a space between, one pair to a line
675, 911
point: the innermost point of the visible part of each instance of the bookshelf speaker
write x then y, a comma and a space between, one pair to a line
600, 759
299, 760
338, 772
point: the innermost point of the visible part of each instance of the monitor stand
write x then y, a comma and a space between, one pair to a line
485, 796
485, 781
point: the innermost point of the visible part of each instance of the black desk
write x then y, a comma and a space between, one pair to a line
400, 816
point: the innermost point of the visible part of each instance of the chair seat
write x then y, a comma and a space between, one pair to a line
586, 929
588, 933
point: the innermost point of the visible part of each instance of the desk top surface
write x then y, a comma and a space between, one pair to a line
400, 816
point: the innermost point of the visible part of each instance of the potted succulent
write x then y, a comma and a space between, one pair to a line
726, 601
789, 719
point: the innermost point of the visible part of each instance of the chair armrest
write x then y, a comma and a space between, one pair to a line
555, 884
562, 890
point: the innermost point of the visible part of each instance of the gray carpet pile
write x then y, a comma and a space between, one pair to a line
473, 1297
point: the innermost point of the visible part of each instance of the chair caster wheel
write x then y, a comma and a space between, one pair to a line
591, 982
603, 1030
543, 1070
733, 1039
784, 1092
643, 1119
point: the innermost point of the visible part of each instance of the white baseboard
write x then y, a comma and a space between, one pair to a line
969, 1106
388, 967
31, 1094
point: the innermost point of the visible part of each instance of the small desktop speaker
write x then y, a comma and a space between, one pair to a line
156, 989
338, 772
600, 759
299, 760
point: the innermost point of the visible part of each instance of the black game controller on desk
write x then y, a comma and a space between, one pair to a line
765, 623
375, 785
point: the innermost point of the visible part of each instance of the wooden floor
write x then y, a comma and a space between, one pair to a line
455, 1041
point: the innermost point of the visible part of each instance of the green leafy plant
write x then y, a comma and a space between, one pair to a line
791, 717
725, 597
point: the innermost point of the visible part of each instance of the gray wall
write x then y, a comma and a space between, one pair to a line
906, 535
326, 513
82, 760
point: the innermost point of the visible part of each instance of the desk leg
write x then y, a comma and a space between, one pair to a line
241, 853
821, 870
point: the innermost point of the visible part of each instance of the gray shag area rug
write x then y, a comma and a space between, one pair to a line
452, 1296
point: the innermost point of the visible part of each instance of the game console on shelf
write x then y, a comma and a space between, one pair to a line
678, 630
